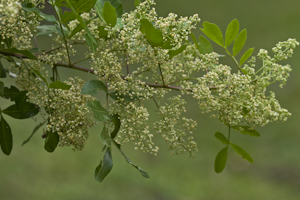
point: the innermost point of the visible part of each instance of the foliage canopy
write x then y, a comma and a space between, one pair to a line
135, 56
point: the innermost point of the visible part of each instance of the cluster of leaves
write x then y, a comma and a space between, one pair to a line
110, 12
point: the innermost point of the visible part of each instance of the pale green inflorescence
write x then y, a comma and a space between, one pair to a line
130, 66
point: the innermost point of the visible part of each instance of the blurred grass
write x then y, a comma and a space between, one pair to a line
31, 173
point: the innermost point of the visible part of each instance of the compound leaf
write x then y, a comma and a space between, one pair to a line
91, 87
51, 141
242, 152
231, 32
104, 167
239, 42
221, 159
246, 55
221, 137
99, 112
213, 32
6, 140
153, 35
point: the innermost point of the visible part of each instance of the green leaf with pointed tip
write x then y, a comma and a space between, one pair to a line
26, 53
115, 119
242, 152
137, 3
79, 6
104, 167
173, 53
246, 55
59, 85
213, 32
143, 172
231, 32
14, 112
22, 109
115, 3
153, 35
221, 137
10, 93
204, 45
51, 141
29, 7
99, 112
109, 14
1, 89
91, 87
6, 139
34, 131
221, 159
246, 130
105, 138
239, 42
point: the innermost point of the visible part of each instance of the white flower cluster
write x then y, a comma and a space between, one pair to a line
134, 128
16, 25
136, 71
176, 129
69, 116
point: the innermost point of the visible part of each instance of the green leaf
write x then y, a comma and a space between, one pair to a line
10, 93
104, 167
90, 39
213, 32
102, 32
231, 32
115, 3
1, 89
126, 97
2, 71
153, 35
65, 30
221, 159
26, 53
34, 131
221, 137
246, 55
109, 14
246, 130
79, 6
117, 123
137, 3
59, 85
22, 109
242, 152
91, 87
204, 45
167, 45
14, 111
6, 140
173, 53
99, 112
51, 141
195, 40
29, 7
46, 29
239, 42
143, 172
105, 138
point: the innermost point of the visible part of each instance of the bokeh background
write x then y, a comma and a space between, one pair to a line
32, 173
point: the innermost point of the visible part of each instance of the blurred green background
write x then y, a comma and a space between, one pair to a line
32, 173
